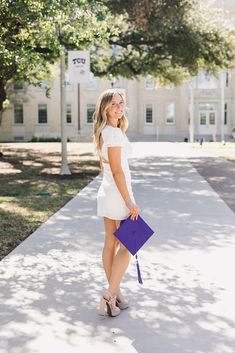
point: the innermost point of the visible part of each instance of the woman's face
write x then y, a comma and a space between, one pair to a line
116, 109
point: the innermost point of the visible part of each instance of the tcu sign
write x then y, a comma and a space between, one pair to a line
79, 66
79, 61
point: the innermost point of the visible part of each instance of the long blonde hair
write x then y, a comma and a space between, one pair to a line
100, 119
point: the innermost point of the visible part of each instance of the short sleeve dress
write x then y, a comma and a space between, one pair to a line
110, 203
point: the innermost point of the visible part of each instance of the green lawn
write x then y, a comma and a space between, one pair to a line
217, 149
31, 190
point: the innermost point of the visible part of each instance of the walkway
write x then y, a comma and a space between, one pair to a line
50, 284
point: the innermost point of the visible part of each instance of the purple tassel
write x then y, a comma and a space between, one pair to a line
138, 270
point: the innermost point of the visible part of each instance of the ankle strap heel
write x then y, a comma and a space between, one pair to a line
108, 302
102, 306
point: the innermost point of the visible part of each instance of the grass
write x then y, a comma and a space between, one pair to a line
31, 190
217, 149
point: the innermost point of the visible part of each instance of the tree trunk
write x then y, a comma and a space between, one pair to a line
3, 94
1, 148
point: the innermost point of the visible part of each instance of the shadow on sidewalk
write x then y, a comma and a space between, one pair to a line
50, 284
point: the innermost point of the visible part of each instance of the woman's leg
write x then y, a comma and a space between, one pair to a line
120, 264
110, 246
115, 264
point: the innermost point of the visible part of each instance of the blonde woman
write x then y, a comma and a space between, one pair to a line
115, 200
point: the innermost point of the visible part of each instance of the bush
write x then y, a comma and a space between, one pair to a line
47, 139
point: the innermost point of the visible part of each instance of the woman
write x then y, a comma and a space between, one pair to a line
115, 200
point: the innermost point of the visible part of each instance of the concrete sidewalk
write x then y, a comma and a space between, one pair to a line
50, 284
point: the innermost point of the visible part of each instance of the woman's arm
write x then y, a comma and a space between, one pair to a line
114, 156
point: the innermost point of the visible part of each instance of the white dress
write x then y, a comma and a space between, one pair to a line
110, 203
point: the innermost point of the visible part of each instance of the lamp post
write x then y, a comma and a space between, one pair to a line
222, 104
191, 110
64, 168
222, 83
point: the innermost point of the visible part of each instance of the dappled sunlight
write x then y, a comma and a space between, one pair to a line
18, 182
51, 283
218, 178
55, 279
8, 168
54, 295
51, 170
217, 149
29, 197
14, 208
32, 163
203, 192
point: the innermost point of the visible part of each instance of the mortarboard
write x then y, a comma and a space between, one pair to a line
133, 234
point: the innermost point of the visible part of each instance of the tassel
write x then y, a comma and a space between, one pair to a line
138, 270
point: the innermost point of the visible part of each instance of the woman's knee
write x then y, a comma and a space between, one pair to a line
124, 249
111, 243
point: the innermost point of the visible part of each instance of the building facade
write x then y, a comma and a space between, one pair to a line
205, 106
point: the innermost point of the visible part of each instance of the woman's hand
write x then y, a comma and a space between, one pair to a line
134, 210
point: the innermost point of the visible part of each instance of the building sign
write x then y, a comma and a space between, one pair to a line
79, 66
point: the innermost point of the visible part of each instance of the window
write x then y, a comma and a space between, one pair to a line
202, 118
170, 113
207, 106
149, 113
225, 113
18, 114
207, 114
18, 85
92, 84
212, 118
207, 81
42, 114
149, 83
90, 112
69, 113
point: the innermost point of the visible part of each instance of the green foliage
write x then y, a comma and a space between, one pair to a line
47, 139
167, 39
170, 39
33, 31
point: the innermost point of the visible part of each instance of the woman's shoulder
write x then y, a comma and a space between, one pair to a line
111, 127
111, 130
110, 133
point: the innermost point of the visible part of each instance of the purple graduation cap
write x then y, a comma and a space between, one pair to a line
133, 235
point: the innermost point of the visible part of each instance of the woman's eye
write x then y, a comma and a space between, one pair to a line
116, 104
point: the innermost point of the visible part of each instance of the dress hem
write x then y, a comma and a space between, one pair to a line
114, 219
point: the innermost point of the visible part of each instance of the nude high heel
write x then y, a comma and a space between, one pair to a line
121, 302
107, 301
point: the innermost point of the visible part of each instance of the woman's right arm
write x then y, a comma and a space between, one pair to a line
114, 156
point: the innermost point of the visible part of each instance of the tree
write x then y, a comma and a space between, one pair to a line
32, 32
168, 39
